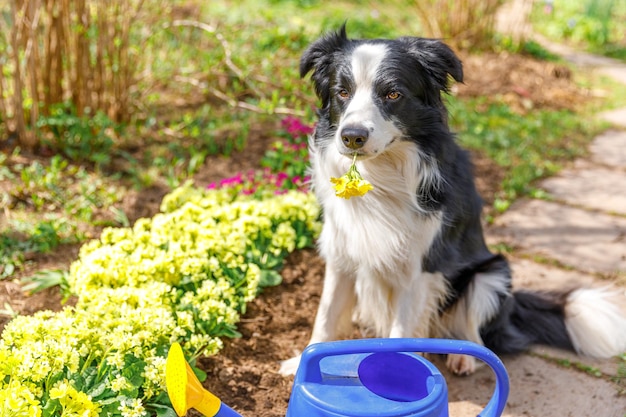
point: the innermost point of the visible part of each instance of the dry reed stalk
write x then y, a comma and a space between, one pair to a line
31, 58
5, 107
52, 77
60, 50
465, 24
25, 137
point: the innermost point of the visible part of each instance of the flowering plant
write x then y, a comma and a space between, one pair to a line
351, 184
262, 183
290, 156
184, 275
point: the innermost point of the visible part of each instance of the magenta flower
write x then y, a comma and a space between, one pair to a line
295, 127
232, 181
285, 158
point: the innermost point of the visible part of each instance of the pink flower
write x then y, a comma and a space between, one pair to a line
295, 127
232, 181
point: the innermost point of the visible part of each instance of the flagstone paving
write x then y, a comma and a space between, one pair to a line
539, 388
575, 236
579, 187
615, 117
578, 237
609, 148
586, 240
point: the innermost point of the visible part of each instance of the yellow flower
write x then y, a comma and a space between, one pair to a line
351, 184
73, 402
17, 400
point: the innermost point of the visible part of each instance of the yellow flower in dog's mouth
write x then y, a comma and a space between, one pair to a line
351, 184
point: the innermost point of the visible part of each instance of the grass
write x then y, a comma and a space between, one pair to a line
528, 147
620, 378
57, 185
24, 239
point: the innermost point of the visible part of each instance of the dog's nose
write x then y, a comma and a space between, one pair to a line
354, 137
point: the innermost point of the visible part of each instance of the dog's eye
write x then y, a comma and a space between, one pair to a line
344, 94
392, 95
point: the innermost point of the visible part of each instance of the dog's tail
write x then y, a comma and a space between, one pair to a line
590, 321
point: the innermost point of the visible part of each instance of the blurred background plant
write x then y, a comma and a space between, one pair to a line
82, 52
465, 24
596, 25
73, 72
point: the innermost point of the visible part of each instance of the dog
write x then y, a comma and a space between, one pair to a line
409, 258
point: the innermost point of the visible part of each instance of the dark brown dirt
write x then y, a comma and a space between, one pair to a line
277, 324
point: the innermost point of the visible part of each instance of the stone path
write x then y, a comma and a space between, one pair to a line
576, 235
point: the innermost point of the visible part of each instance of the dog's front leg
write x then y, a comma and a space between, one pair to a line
413, 305
334, 314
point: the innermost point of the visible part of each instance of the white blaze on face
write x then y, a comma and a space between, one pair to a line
362, 110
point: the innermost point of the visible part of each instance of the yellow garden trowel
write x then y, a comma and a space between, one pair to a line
185, 390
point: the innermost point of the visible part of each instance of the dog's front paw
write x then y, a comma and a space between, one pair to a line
290, 366
461, 364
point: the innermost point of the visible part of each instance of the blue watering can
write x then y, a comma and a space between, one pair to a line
356, 378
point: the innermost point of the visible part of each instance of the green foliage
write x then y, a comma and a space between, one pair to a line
45, 279
25, 239
201, 134
5, 171
530, 146
75, 196
289, 155
60, 186
80, 138
597, 25
526, 47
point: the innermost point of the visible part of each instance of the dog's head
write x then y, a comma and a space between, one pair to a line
376, 92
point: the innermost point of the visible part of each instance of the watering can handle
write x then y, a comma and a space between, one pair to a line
311, 357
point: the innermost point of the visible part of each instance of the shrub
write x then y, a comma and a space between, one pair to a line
90, 52
467, 24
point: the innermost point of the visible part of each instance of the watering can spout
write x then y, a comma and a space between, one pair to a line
186, 391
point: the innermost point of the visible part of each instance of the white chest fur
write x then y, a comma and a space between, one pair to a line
384, 231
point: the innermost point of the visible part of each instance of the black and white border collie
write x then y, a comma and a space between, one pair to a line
409, 258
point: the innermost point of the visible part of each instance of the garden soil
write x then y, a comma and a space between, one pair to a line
277, 325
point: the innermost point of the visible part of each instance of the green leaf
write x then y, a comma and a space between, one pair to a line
133, 369
270, 278
100, 391
45, 279
200, 374
50, 408
162, 410
304, 242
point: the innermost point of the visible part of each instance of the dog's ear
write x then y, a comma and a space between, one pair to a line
437, 59
319, 57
